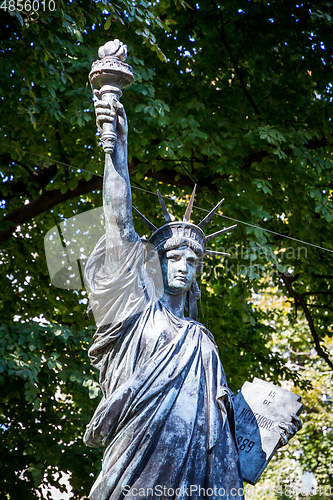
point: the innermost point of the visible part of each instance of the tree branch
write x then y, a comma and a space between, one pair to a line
45, 202
175, 177
51, 198
235, 63
298, 297
320, 307
260, 155
42, 176
323, 276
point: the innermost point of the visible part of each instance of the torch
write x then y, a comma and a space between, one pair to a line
108, 76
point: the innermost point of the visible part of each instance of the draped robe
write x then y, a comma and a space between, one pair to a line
166, 416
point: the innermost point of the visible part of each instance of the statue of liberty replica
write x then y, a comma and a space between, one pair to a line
166, 418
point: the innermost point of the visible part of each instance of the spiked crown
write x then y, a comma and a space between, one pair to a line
183, 230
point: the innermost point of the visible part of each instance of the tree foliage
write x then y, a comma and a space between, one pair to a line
235, 96
47, 383
310, 450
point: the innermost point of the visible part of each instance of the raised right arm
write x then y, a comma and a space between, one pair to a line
117, 199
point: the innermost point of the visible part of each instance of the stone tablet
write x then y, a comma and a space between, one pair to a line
259, 409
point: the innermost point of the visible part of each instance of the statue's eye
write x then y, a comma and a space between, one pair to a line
173, 257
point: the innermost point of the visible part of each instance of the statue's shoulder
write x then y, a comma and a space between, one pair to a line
203, 329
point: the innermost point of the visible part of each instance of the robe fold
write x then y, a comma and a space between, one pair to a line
166, 416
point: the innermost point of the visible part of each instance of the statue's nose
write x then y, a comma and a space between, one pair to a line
182, 265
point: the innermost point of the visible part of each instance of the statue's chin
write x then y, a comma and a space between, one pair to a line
179, 288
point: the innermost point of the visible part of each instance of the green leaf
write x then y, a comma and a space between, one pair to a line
107, 24
72, 184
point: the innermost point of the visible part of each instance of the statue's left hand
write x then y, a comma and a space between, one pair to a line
288, 430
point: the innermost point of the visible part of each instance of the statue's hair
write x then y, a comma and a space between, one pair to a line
196, 289
196, 294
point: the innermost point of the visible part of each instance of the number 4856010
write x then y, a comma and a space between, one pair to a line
28, 5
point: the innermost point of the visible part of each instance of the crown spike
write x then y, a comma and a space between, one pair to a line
190, 206
218, 233
164, 208
149, 224
210, 215
213, 252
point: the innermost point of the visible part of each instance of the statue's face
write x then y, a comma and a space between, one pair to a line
179, 267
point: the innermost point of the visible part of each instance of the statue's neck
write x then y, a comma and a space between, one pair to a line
175, 303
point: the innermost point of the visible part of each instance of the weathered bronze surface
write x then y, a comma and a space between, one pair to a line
166, 418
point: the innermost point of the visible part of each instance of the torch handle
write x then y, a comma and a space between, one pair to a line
109, 135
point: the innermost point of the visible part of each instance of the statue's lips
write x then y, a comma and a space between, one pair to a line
183, 279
